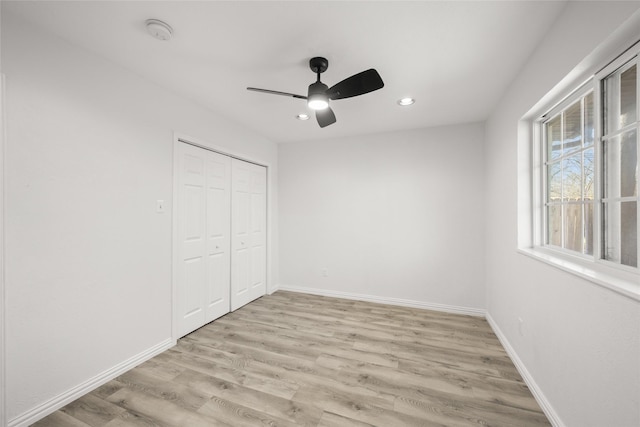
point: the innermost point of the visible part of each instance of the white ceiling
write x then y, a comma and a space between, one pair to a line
455, 58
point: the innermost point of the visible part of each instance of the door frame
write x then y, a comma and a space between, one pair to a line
179, 138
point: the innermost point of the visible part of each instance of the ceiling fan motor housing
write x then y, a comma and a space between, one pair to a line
318, 64
317, 88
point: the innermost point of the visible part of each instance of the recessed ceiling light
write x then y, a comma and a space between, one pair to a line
406, 101
302, 116
158, 29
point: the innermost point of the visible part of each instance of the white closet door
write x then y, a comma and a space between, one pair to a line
203, 237
218, 235
248, 230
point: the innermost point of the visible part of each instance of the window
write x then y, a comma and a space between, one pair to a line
569, 174
589, 169
620, 165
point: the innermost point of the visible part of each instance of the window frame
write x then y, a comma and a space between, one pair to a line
632, 54
542, 152
621, 278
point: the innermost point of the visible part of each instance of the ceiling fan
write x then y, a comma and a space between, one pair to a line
319, 93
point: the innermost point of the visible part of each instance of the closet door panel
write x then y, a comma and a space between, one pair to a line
203, 271
258, 239
248, 223
191, 239
241, 267
218, 235
257, 269
240, 215
217, 295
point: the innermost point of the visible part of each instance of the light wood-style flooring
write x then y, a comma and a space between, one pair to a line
292, 359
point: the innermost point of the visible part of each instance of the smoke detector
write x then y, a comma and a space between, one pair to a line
158, 29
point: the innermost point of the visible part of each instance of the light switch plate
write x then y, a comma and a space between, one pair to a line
160, 206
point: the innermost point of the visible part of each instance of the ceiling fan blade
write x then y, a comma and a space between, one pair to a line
358, 84
275, 92
325, 117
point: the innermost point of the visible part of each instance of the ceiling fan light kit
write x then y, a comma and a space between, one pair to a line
319, 94
317, 101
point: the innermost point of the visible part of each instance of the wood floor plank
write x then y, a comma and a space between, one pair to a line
174, 392
159, 370
469, 413
228, 413
107, 389
329, 419
355, 355
257, 380
131, 421
292, 359
426, 364
302, 414
426, 352
166, 412
402, 382
359, 409
93, 410
461, 384
60, 419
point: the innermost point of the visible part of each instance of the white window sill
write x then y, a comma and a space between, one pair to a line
622, 282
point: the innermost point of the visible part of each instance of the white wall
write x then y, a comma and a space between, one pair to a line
579, 341
390, 215
88, 265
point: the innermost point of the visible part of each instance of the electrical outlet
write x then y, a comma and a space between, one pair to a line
324, 272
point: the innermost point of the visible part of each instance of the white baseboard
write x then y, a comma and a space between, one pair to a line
544, 403
386, 300
80, 390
